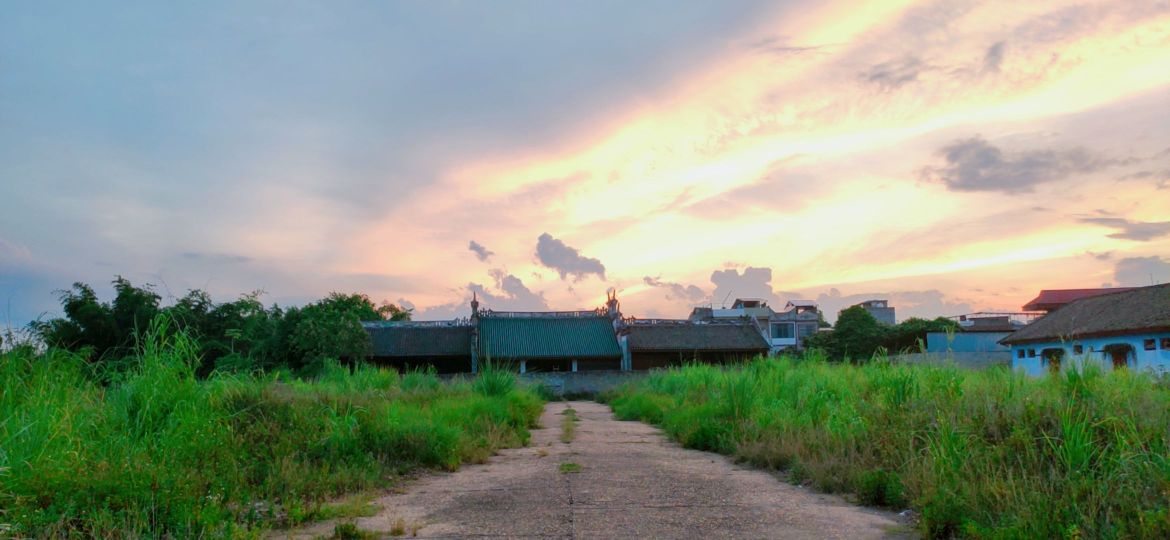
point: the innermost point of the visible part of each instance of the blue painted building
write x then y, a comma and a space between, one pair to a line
1126, 329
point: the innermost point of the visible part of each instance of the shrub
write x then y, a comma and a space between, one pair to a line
494, 380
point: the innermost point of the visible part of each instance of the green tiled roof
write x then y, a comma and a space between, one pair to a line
696, 337
522, 338
404, 341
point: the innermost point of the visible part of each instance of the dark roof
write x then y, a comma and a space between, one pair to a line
989, 324
990, 327
696, 337
1132, 311
1050, 299
535, 337
419, 341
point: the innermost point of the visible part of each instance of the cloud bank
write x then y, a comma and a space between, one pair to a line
752, 283
1142, 231
1141, 271
975, 165
676, 291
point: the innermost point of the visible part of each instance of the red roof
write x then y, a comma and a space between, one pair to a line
1051, 299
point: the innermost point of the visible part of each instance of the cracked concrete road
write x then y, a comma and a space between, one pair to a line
632, 482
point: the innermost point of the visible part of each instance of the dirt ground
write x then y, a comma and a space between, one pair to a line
613, 480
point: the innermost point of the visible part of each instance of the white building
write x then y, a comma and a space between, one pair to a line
783, 329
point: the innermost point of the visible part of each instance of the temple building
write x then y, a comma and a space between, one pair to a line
564, 341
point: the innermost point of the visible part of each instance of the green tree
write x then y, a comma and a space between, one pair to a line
910, 334
238, 335
857, 335
233, 336
331, 329
99, 329
134, 308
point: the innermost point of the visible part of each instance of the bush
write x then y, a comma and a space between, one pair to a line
880, 488
494, 380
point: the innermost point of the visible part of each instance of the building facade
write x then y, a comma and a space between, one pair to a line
782, 329
880, 310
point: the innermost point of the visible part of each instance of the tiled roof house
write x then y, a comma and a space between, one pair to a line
1124, 328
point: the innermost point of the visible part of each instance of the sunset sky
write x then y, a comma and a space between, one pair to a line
949, 156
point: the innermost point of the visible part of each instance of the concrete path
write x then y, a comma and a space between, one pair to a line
632, 483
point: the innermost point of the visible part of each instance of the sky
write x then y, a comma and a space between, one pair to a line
948, 156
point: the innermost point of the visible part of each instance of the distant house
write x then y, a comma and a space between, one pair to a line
980, 337
880, 310
976, 341
789, 328
1050, 299
1121, 328
985, 322
782, 330
979, 333
662, 343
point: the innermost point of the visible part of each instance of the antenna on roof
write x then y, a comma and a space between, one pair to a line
724, 303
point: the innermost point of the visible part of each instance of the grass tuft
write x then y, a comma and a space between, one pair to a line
494, 379
350, 531
568, 425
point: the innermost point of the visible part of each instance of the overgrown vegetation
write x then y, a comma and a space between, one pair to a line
858, 336
980, 454
568, 425
242, 335
152, 450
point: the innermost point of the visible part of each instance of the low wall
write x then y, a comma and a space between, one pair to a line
969, 360
582, 382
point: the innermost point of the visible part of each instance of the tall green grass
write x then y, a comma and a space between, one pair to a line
980, 454
157, 452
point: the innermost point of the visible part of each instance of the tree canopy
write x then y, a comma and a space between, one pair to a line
857, 335
239, 335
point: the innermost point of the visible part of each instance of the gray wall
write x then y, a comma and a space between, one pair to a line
581, 382
969, 360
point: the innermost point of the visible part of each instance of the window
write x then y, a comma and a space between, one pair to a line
1020, 353
1078, 349
783, 331
1165, 343
1031, 353
806, 330
1148, 344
